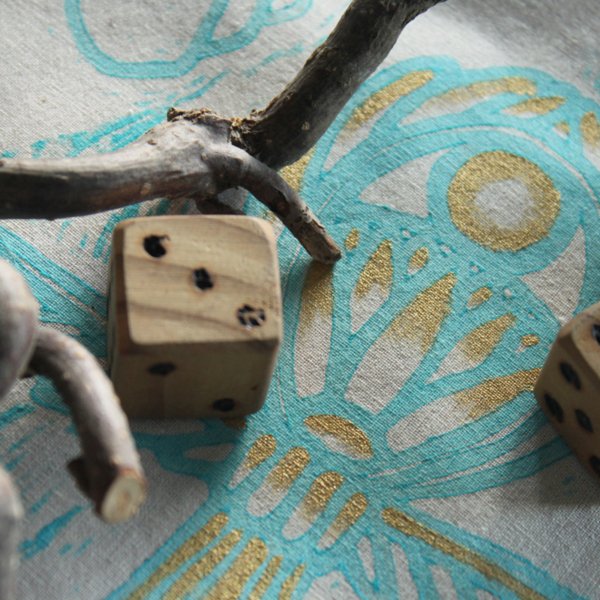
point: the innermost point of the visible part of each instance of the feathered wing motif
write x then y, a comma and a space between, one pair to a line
406, 371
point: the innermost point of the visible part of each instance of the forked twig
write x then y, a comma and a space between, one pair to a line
200, 154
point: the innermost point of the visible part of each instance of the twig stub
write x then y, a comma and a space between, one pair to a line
109, 472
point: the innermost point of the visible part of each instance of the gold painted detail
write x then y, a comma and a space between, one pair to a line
353, 239
351, 512
346, 433
418, 260
186, 551
261, 587
377, 272
480, 342
289, 468
590, 129
483, 89
263, 448
231, 584
385, 97
478, 297
537, 106
494, 167
291, 583
421, 320
294, 173
320, 493
317, 295
203, 567
563, 127
410, 527
530, 340
493, 393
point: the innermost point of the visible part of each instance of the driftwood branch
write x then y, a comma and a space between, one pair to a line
18, 324
184, 157
109, 472
199, 154
293, 122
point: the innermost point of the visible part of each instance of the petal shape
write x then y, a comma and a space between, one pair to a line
463, 98
340, 435
475, 347
548, 284
450, 412
313, 338
393, 358
373, 286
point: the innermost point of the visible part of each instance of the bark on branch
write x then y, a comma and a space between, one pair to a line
187, 156
194, 154
18, 324
293, 122
109, 472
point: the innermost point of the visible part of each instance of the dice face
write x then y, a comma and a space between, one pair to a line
568, 389
194, 316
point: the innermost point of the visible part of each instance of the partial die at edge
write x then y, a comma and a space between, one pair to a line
569, 385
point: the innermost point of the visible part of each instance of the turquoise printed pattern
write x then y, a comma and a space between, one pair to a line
318, 412
204, 43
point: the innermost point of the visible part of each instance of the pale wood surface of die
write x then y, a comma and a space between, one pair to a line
194, 316
568, 389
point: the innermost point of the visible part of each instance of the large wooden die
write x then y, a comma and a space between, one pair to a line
568, 389
195, 315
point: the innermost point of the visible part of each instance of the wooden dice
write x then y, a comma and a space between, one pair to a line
194, 316
568, 388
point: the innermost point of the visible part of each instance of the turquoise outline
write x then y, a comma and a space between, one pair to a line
202, 46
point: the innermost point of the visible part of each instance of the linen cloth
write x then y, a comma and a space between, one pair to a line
400, 452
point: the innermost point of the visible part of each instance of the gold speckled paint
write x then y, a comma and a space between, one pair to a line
344, 431
590, 129
289, 468
410, 527
563, 127
479, 343
294, 173
491, 167
351, 512
186, 551
317, 295
378, 271
483, 89
537, 106
263, 448
418, 260
387, 96
493, 393
530, 340
421, 320
320, 493
291, 583
231, 584
478, 297
353, 239
203, 567
262, 585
